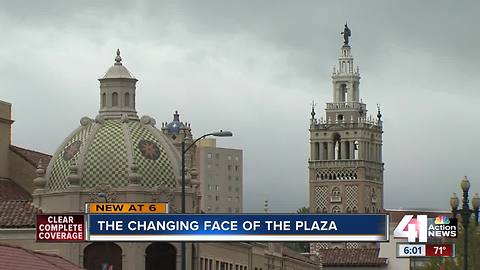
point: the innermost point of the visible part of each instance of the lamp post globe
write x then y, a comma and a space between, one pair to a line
476, 201
454, 202
465, 184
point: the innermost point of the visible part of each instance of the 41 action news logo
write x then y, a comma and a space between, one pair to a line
422, 228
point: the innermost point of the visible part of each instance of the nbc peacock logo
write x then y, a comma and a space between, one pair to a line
442, 220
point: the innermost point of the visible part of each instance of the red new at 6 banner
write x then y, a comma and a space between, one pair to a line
60, 227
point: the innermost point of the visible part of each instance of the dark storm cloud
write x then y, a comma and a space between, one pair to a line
253, 67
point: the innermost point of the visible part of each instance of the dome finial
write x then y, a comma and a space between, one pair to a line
313, 109
176, 116
118, 59
379, 114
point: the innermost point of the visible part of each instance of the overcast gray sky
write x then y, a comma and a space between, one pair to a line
254, 67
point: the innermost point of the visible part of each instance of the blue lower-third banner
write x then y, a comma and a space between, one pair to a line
238, 227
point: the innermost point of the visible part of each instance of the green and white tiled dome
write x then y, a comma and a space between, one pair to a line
117, 148
105, 152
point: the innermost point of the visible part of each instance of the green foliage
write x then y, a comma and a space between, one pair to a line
303, 210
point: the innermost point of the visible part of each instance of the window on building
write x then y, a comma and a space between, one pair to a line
356, 150
236, 158
237, 178
209, 155
209, 166
216, 198
217, 155
229, 167
229, 157
209, 187
115, 99
104, 100
229, 177
237, 189
216, 187
336, 209
337, 148
127, 100
236, 168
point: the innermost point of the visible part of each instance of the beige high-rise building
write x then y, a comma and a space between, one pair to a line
220, 176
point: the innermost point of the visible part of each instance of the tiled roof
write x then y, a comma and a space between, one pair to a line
9, 190
17, 258
31, 156
18, 214
351, 257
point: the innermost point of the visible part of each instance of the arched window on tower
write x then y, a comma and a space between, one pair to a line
115, 99
104, 100
336, 209
337, 148
127, 99
355, 151
317, 151
343, 93
325, 151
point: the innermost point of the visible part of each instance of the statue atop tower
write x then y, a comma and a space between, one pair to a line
346, 34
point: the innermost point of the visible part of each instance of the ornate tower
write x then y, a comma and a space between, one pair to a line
345, 164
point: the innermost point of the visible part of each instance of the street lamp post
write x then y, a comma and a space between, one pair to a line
465, 212
184, 151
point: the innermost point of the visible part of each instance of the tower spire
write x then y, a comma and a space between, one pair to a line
313, 110
117, 91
